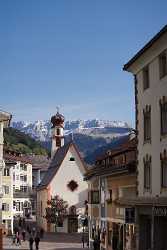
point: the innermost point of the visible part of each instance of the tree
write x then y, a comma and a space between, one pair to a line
56, 210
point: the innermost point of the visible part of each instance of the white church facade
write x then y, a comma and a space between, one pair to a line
63, 178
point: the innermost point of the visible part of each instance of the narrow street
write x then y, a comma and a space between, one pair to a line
51, 241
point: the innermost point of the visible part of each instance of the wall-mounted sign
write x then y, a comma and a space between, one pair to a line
129, 215
160, 211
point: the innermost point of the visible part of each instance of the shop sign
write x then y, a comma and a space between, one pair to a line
160, 211
129, 215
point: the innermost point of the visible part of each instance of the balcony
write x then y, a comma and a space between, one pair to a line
30, 193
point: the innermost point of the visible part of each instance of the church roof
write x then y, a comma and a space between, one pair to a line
55, 164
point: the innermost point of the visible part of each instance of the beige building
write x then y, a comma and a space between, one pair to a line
111, 181
63, 178
149, 67
4, 122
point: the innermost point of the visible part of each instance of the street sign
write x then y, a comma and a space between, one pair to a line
160, 211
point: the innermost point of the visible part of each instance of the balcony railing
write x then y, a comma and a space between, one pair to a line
24, 194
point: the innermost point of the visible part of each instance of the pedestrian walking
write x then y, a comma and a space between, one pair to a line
18, 239
37, 240
14, 239
114, 242
41, 233
33, 231
24, 235
31, 241
96, 243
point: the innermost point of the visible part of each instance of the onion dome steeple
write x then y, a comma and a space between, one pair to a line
57, 132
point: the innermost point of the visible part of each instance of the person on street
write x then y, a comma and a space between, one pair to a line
41, 233
17, 238
37, 240
114, 242
14, 239
31, 241
96, 243
24, 235
33, 231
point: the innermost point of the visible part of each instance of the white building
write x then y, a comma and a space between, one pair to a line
149, 67
63, 178
21, 183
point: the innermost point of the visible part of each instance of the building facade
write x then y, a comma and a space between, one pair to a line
149, 67
111, 181
4, 122
17, 186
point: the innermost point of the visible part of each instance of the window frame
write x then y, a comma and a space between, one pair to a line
147, 125
163, 114
147, 178
146, 78
162, 66
163, 161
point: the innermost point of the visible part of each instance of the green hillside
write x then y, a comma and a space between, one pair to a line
20, 142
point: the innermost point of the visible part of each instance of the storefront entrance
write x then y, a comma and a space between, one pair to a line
145, 232
160, 235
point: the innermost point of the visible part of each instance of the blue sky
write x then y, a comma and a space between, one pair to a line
71, 53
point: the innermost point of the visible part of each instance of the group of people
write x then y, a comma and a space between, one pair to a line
33, 237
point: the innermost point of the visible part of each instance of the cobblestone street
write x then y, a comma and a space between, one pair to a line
50, 242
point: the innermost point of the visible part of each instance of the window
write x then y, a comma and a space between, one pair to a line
58, 131
6, 189
5, 207
17, 177
23, 178
163, 107
23, 167
23, 189
94, 197
58, 142
164, 173
147, 125
163, 64
14, 177
146, 79
72, 159
147, 175
60, 224
6, 172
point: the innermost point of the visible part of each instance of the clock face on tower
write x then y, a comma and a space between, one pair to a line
72, 185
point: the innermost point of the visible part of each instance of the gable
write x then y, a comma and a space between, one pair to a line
70, 171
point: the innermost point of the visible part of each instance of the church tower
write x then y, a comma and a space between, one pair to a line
57, 132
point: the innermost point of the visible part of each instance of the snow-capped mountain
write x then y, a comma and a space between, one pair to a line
40, 130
